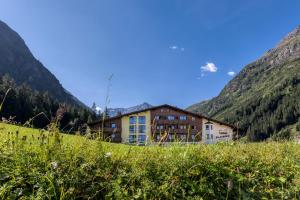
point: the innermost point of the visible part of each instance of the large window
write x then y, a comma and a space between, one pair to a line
182, 127
137, 129
171, 117
132, 120
193, 137
132, 129
142, 128
132, 138
207, 127
142, 120
183, 117
141, 138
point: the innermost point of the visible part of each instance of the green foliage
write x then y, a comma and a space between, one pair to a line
23, 105
36, 167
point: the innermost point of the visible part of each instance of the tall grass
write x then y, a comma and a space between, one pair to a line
33, 165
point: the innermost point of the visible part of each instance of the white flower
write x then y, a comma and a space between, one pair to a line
107, 155
54, 165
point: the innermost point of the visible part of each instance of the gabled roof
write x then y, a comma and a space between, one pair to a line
166, 106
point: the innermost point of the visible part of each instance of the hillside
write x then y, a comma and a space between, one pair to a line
37, 164
263, 99
115, 111
17, 61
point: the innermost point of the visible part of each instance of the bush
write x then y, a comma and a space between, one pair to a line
37, 167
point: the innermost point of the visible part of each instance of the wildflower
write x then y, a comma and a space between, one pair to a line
54, 165
229, 185
107, 155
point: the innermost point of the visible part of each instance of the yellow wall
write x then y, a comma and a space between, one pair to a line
125, 125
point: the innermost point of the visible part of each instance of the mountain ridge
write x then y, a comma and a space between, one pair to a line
17, 61
261, 91
112, 112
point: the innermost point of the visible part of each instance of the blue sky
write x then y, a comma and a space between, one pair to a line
172, 51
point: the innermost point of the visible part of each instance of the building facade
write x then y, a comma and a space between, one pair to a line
162, 124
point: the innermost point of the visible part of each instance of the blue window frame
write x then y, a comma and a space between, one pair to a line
183, 117
142, 119
132, 120
171, 117
132, 129
132, 138
142, 128
142, 138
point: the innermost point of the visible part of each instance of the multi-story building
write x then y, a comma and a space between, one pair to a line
163, 123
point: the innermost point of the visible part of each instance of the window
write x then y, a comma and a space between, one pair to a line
171, 117
182, 127
142, 120
171, 136
193, 118
161, 110
141, 138
211, 127
113, 125
193, 127
183, 117
132, 129
142, 128
157, 137
113, 136
207, 127
193, 137
132, 120
156, 117
183, 137
207, 136
132, 139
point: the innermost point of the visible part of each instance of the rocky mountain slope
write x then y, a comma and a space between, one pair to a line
264, 98
115, 111
17, 61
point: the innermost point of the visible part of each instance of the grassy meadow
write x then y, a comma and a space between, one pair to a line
37, 164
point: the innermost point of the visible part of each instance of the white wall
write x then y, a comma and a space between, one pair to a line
217, 131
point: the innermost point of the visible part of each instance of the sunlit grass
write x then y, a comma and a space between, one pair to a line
33, 165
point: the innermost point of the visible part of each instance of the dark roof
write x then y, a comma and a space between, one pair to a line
168, 106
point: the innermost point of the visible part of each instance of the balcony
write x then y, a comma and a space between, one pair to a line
111, 130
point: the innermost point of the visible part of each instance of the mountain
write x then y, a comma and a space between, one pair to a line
263, 100
115, 111
17, 61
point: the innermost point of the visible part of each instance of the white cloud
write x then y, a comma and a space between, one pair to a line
209, 67
98, 109
231, 73
176, 48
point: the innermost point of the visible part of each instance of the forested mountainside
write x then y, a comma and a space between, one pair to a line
263, 100
17, 61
